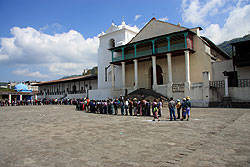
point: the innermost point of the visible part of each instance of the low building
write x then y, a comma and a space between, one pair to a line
72, 88
20, 93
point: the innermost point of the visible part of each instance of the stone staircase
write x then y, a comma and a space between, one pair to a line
146, 93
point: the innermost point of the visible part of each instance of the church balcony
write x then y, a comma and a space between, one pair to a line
169, 43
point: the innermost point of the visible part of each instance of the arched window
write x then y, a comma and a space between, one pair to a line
111, 43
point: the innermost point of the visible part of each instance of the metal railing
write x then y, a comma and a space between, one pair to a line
216, 84
244, 83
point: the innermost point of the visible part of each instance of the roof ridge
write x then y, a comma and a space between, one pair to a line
154, 19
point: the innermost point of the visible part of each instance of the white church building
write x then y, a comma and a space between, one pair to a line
169, 59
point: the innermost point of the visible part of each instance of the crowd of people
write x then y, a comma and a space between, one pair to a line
131, 106
26, 102
135, 107
126, 106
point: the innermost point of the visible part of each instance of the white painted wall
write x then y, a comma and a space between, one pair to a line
238, 94
121, 34
69, 85
219, 67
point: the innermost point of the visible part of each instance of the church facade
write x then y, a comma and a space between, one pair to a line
170, 59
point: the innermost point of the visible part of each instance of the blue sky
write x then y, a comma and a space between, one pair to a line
48, 39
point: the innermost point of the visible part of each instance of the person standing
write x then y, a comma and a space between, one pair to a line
178, 107
122, 106
130, 107
148, 108
126, 106
160, 107
115, 103
135, 106
171, 106
188, 107
105, 105
155, 110
184, 107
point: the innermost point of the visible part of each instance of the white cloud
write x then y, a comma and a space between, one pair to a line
67, 68
4, 57
196, 12
164, 18
232, 18
68, 51
27, 73
137, 17
236, 25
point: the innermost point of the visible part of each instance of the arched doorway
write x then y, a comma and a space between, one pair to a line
158, 74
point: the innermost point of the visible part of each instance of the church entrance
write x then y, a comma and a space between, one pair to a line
158, 74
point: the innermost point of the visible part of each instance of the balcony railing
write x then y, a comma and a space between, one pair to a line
149, 52
144, 53
157, 45
177, 46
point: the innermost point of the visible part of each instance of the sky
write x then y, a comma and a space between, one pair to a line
47, 39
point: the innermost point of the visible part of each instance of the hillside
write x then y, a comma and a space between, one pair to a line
226, 47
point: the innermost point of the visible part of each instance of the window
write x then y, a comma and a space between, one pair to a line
111, 43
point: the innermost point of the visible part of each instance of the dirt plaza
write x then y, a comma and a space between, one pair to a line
60, 136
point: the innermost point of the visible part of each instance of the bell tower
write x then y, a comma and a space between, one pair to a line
116, 35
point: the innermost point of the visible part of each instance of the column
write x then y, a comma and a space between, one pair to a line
168, 38
123, 75
122, 53
153, 46
226, 87
135, 49
185, 38
154, 72
21, 97
136, 74
187, 71
170, 79
35, 97
112, 76
10, 98
112, 52
187, 67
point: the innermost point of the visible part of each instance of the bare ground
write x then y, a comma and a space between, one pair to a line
59, 136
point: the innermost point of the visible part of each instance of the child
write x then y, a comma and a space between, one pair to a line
155, 110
